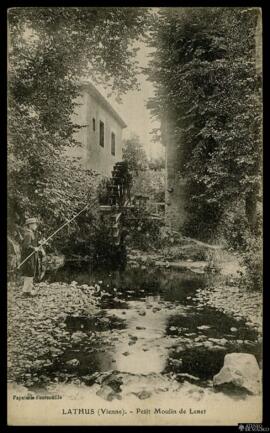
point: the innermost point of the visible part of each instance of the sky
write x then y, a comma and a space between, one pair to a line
134, 112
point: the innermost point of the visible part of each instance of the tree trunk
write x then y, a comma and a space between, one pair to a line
251, 210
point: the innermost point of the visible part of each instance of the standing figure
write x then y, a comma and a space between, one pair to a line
30, 244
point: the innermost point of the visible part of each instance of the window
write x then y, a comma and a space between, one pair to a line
94, 123
113, 143
101, 133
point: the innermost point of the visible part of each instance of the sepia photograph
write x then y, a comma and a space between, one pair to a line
135, 216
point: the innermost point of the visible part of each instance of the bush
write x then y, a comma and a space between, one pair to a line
106, 253
142, 232
103, 191
202, 221
151, 183
234, 228
54, 202
253, 261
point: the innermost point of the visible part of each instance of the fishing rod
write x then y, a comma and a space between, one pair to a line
53, 234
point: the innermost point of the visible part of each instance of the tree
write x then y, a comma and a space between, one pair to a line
134, 154
204, 73
50, 50
148, 175
157, 163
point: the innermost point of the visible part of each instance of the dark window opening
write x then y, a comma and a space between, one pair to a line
101, 133
94, 123
113, 144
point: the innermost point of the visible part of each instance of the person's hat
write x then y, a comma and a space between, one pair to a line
31, 221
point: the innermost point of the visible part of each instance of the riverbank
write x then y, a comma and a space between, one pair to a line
136, 338
131, 340
235, 301
36, 328
228, 295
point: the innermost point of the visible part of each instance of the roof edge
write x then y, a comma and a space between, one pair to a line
95, 92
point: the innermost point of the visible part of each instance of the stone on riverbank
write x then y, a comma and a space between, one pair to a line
73, 362
78, 336
240, 371
142, 313
107, 393
143, 395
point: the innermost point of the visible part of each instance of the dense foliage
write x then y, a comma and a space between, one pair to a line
208, 90
134, 154
148, 174
205, 78
50, 50
148, 180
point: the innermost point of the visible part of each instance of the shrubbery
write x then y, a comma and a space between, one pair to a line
50, 51
252, 259
233, 228
142, 232
208, 97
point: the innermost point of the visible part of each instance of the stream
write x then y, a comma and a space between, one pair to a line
148, 323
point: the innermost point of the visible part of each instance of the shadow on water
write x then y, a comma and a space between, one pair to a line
172, 285
222, 334
191, 341
214, 323
97, 323
217, 334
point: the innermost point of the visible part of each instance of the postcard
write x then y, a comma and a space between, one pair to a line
134, 216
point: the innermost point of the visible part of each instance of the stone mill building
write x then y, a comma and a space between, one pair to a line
101, 133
